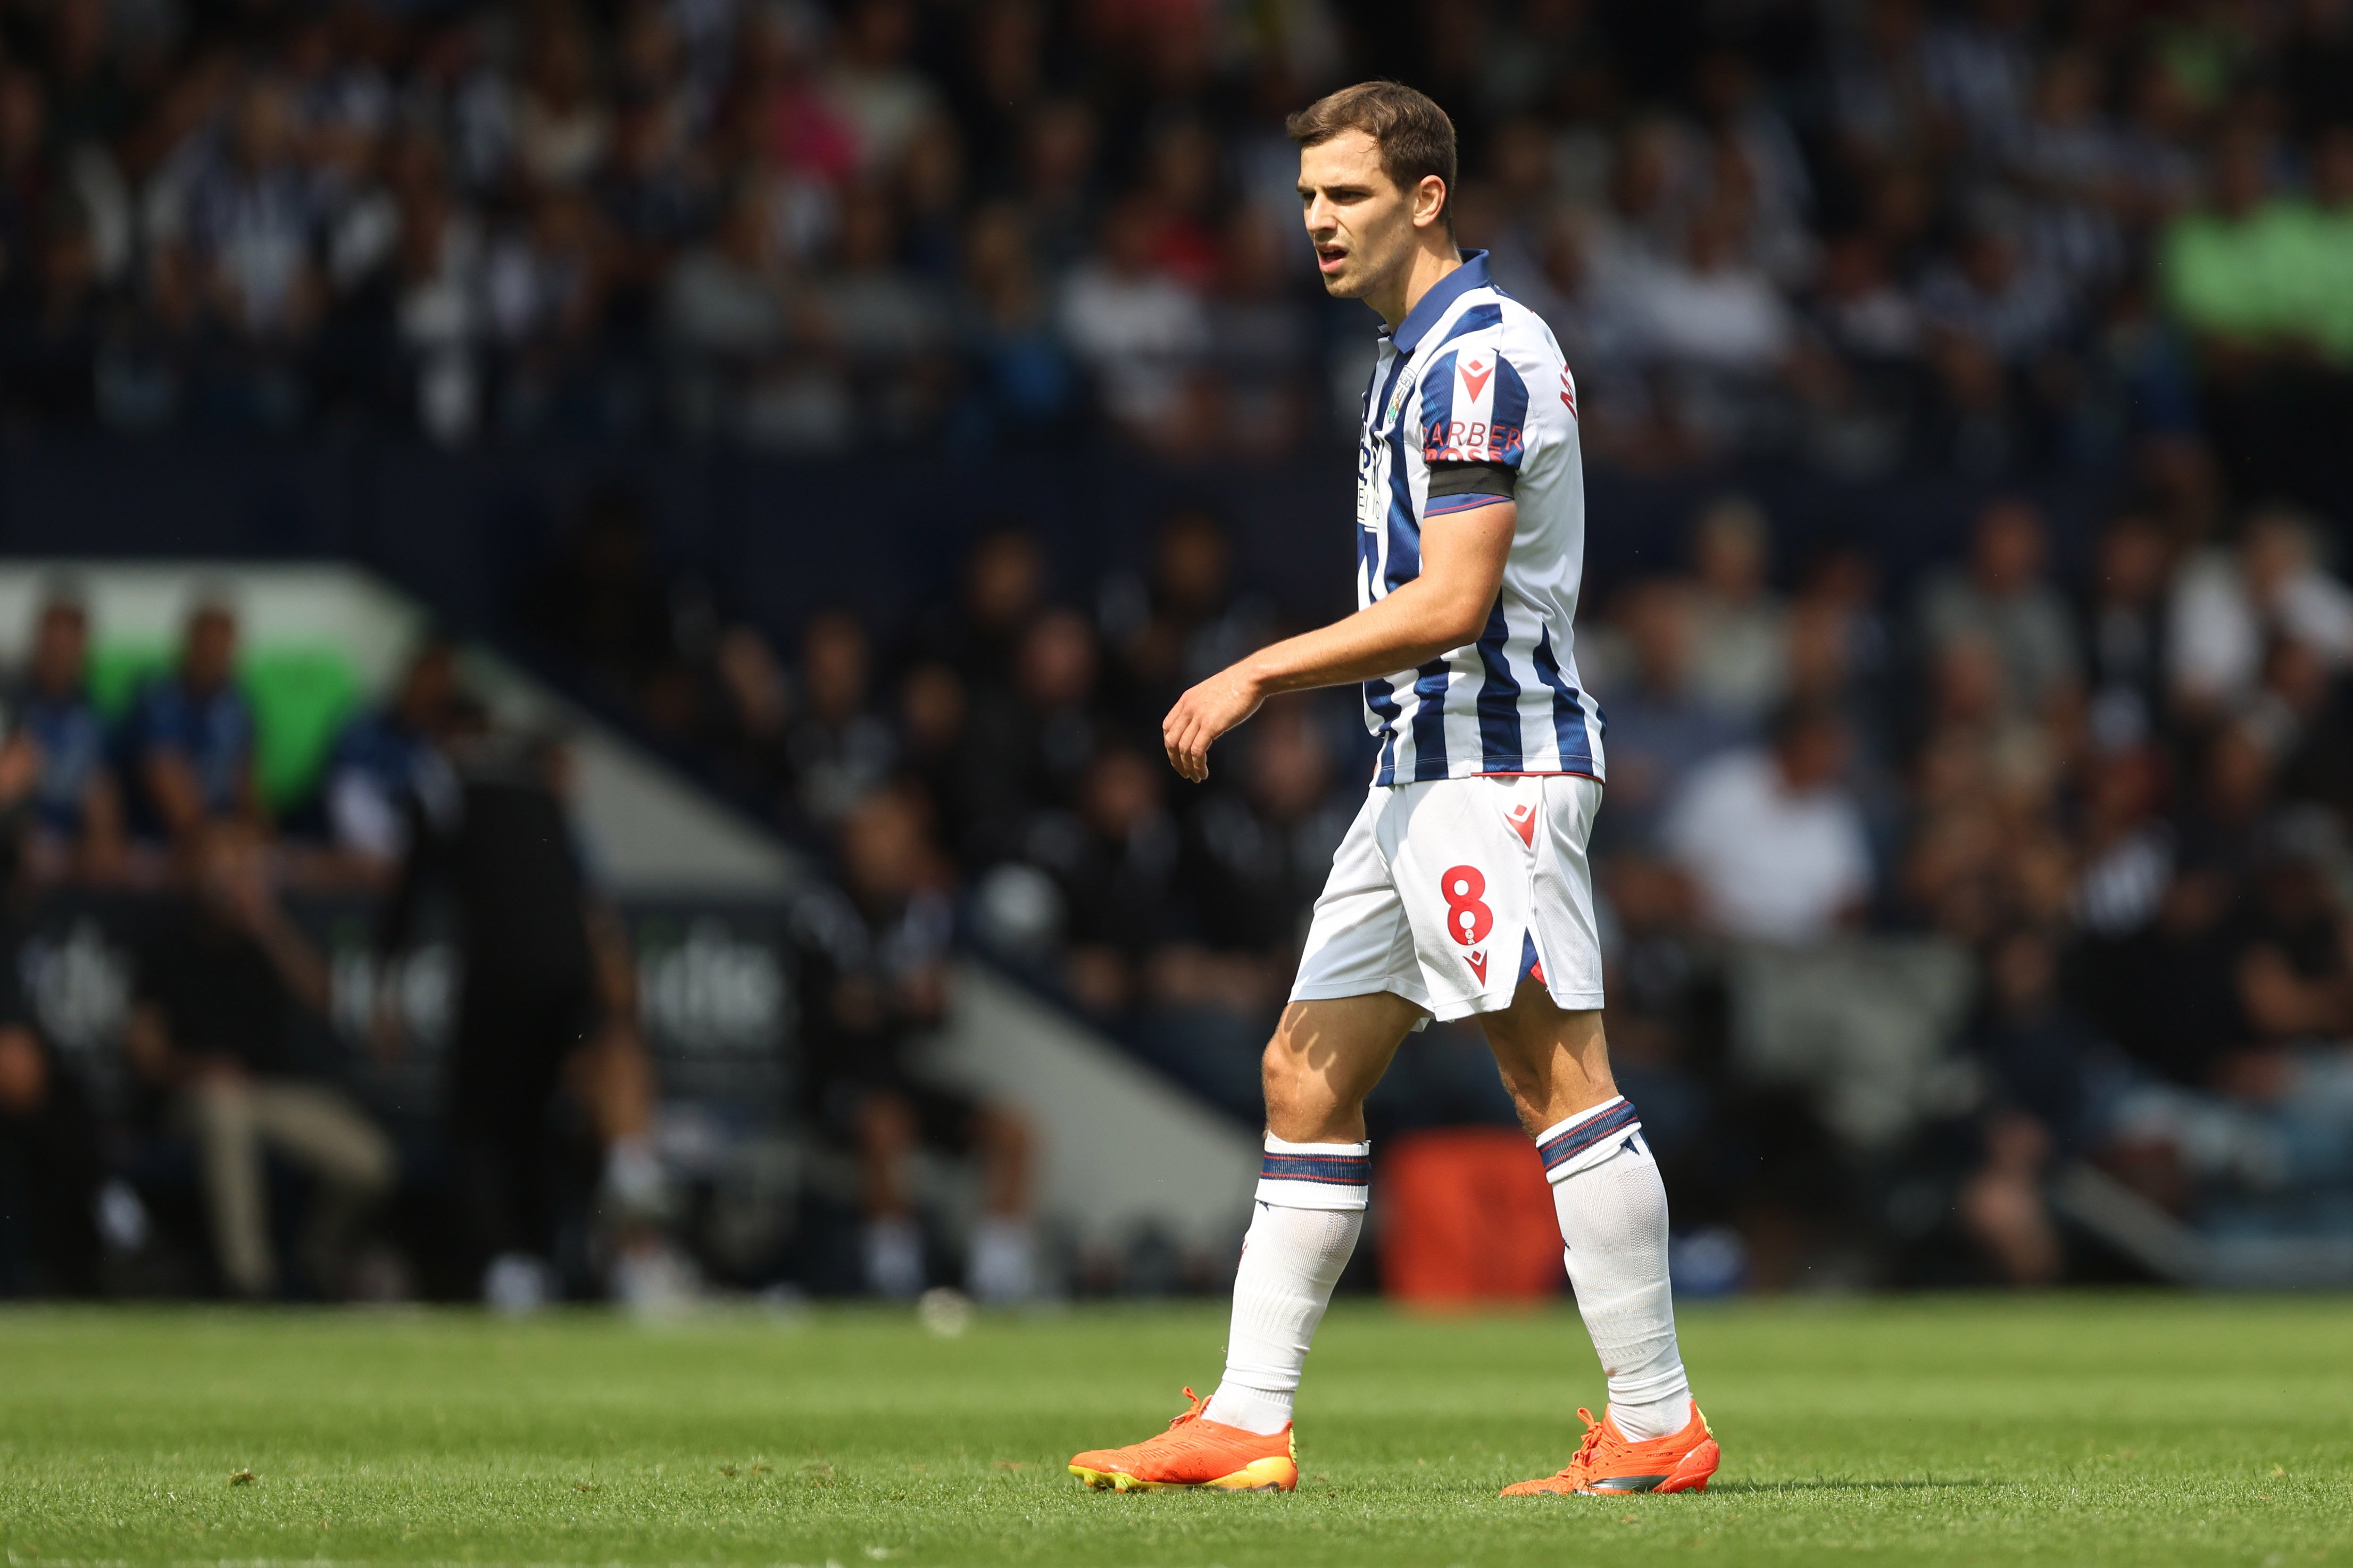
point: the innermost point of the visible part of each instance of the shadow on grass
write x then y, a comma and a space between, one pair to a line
1763, 1488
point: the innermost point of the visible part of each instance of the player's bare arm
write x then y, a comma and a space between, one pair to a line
1461, 571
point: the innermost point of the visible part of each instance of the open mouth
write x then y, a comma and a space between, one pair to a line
1330, 258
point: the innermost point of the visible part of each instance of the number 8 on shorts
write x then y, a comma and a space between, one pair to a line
1468, 918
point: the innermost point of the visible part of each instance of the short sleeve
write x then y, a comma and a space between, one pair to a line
1474, 405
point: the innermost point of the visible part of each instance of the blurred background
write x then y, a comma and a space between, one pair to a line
589, 585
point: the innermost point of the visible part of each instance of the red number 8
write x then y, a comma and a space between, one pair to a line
1468, 919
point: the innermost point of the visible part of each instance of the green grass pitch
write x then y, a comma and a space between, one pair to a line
2107, 1429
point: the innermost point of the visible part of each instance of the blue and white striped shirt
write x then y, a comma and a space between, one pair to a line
1473, 383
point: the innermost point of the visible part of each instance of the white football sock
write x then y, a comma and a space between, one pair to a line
1613, 1230
1311, 1208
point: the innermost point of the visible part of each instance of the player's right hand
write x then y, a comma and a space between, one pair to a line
1203, 714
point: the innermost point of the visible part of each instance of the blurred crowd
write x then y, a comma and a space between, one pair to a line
2107, 799
2080, 792
1990, 236
234, 1092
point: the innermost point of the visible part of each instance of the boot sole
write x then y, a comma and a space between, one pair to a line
1691, 1474
1268, 1475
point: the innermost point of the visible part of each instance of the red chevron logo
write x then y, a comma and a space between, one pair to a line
1524, 823
1475, 379
1478, 962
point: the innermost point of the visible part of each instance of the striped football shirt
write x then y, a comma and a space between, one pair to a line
1471, 399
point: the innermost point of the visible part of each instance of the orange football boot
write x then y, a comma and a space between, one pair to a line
1606, 1462
1196, 1452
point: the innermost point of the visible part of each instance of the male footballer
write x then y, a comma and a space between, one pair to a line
1463, 888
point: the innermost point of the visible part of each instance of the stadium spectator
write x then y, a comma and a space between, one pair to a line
2004, 602
1113, 857
874, 968
77, 806
2124, 632
190, 738
603, 600
746, 725
1032, 738
1739, 657
210, 1033
1661, 728
237, 269
1772, 839
2041, 1054
2225, 604
544, 1039
51, 1151
1257, 852
1003, 590
838, 748
1182, 626
387, 769
1139, 330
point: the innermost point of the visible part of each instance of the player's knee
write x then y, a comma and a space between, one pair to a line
1299, 1100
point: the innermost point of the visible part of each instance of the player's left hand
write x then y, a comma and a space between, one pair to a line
1203, 714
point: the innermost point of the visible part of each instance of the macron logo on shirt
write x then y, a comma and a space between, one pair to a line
1475, 378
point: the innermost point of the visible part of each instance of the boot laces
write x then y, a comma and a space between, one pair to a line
1590, 1446
1197, 1405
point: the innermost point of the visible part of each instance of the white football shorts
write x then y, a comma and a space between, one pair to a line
1448, 892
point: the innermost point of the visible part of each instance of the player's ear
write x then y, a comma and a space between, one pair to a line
1428, 200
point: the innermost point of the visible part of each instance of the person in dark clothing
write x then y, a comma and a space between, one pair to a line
601, 599
1186, 625
190, 738
873, 969
1115, 858
1028, 741
2037, 1053
1003, 591
838, 748
537, 1018
1257, 854
387, 756
77, 807
218, 977
50, 1169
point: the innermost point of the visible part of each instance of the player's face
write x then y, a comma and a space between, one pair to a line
1361, 223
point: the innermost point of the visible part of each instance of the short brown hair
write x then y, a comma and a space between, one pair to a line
1416, 138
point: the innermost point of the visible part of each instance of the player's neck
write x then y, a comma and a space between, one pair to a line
1428, 262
